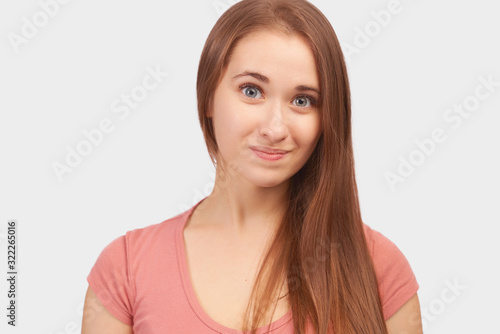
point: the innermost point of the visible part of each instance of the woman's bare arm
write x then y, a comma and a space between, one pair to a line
97, 319
406, 320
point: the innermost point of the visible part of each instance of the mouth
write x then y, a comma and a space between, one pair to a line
268, 154
268, 150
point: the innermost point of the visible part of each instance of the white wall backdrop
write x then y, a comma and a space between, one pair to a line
425, 79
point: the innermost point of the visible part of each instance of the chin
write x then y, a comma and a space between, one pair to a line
268, 182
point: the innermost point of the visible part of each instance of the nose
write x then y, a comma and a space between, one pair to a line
274, 126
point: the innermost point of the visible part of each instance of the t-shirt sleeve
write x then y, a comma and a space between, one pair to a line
109, 278
396, 280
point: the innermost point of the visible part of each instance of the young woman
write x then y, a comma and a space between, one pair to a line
279, 245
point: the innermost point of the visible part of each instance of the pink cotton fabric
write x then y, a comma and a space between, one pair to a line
142, 279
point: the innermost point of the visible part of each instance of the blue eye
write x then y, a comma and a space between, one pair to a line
251, 91
304, 101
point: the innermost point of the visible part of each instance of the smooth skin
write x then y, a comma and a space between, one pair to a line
266, 98
98, 320
406, 320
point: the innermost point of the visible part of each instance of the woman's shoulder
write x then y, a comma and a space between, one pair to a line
137, 244
129, 258
386, 255
379, 244
153, 232
396, 279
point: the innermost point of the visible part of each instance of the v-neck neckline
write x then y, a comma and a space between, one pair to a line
189, 290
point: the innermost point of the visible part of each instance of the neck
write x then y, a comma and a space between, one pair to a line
240, 206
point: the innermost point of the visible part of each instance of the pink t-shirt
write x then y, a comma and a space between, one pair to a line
142, 278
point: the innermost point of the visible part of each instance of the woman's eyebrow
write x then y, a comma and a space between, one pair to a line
302, 88
266, 80
256, 75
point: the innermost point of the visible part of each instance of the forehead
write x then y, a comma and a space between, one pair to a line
275, 55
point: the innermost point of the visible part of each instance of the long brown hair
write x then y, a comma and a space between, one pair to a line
319, 251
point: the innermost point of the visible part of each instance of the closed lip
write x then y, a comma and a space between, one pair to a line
268, 150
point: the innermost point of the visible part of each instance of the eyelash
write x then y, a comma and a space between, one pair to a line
313, 101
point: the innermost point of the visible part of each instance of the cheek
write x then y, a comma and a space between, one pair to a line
229, 123
307, 130
232, 116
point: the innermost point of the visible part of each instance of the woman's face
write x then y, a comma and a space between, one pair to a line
267, 98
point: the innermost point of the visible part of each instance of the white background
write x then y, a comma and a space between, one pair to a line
154, 164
